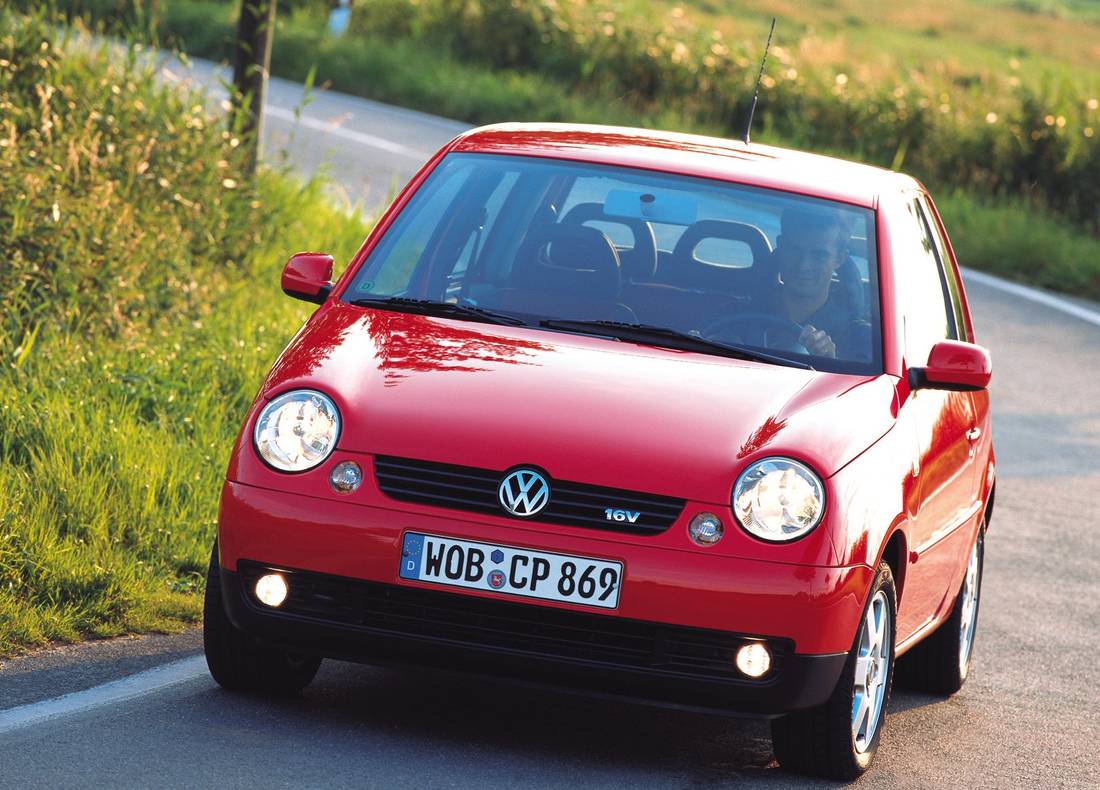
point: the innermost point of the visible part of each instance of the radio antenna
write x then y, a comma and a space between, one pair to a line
756, 92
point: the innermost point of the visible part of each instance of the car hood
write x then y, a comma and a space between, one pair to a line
581, 408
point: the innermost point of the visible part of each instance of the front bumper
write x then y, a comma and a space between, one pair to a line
374, 623
681, 616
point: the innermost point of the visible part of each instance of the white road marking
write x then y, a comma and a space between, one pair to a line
365, 106
1034, 295
106, 694
329, 127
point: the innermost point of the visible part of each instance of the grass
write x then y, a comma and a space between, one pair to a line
1011, 239
141, 311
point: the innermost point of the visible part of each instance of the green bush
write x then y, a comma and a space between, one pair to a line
142, 307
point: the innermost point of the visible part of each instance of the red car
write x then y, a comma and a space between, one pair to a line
644, 414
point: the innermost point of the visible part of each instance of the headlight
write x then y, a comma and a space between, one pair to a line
297, 430
778, 499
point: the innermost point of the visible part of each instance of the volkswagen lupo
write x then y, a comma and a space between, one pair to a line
642, 414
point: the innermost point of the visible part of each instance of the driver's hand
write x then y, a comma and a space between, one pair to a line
817, 342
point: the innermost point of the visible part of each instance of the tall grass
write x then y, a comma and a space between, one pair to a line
142, 308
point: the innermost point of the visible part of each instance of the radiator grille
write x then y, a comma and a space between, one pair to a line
475, 489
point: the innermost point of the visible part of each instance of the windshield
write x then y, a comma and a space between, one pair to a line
549, 239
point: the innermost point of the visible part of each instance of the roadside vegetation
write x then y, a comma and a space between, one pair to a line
996, 101
141, 308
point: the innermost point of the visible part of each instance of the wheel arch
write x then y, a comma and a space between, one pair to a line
989, 505
895, 553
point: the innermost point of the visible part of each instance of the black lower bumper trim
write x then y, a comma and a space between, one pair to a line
798, 681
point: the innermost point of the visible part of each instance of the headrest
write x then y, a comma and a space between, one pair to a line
573, 259
639, 262
754, 238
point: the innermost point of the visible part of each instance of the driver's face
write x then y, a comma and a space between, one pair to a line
807, 259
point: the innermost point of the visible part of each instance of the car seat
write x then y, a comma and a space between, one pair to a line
687, 291
565, 271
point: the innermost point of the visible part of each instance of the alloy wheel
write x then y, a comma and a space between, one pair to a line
871, 672
970, 591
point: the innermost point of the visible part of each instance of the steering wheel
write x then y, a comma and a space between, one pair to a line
753, 329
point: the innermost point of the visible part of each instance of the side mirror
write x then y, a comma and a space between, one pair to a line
953, 365
308, 276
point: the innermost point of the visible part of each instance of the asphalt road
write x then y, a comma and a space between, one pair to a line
1026, 718
367, 150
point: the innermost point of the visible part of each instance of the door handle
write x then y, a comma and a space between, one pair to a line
972, 436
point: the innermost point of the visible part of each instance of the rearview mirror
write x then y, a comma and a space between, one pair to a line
953, 365
308, 276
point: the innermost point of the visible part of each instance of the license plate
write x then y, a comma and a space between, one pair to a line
511, 570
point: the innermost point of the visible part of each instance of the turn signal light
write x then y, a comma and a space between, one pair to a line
705, 529
346, 476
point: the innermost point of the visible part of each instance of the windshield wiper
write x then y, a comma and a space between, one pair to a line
671, 338
404, 304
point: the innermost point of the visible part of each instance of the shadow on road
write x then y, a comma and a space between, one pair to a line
438, 713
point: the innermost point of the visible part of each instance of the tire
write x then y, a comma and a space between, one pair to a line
240, 663
824, 741
940, 663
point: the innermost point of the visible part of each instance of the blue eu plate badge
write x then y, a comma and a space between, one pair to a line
411, 551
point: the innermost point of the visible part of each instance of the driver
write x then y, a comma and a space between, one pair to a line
811, 246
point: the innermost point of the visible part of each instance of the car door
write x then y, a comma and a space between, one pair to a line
940, 421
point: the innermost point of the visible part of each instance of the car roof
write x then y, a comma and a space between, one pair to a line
689, 154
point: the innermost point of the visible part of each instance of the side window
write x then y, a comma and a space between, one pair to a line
953, 288
928, 318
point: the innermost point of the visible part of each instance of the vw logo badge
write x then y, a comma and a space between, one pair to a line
524, 492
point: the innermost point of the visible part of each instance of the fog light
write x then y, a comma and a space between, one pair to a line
705, 529
754, 660
271, 589
346, 476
